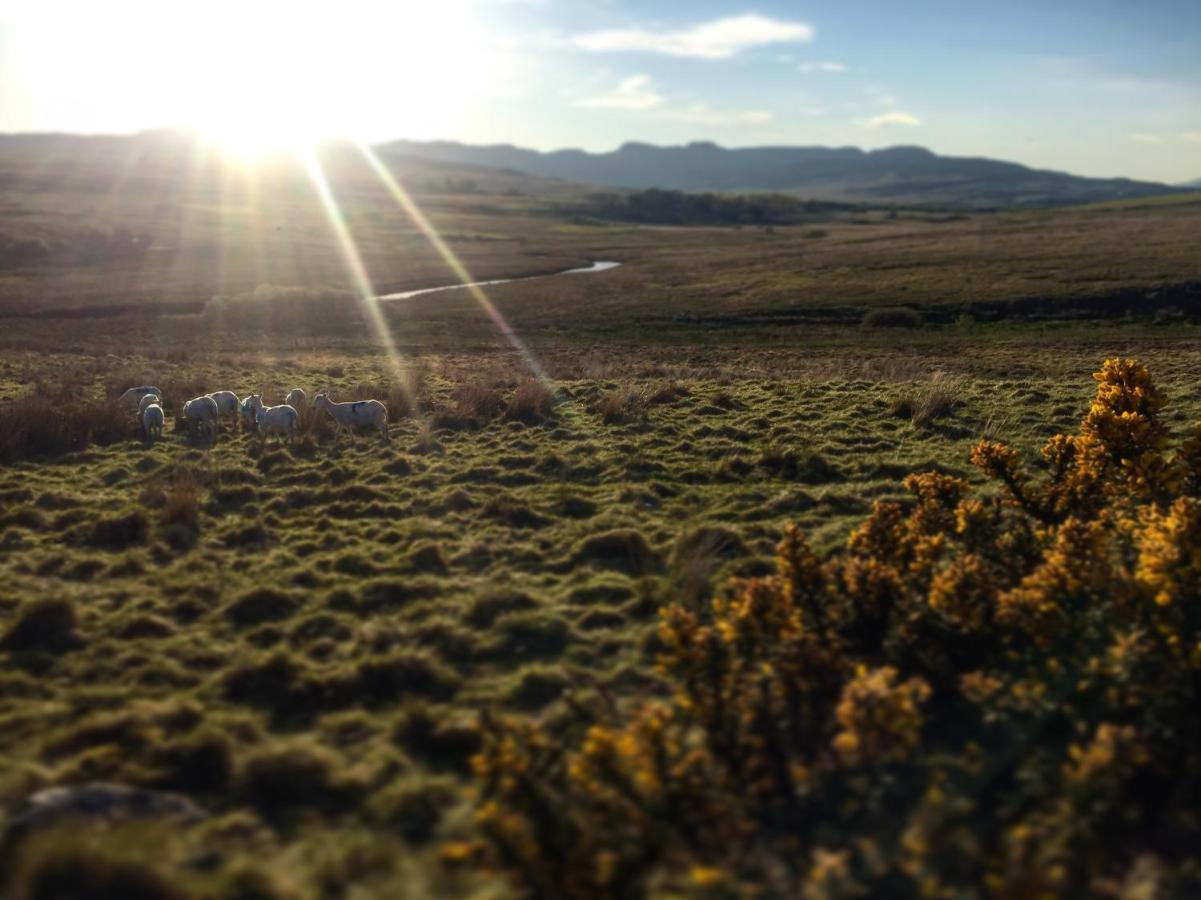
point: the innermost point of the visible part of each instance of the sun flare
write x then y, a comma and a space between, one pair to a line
271, 76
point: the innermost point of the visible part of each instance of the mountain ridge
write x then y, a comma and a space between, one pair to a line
898, 174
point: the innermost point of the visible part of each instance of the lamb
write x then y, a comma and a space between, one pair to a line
200, 413
278, 419
134, 395
249, 410
152, 421
356, 412
227, 405
296, 398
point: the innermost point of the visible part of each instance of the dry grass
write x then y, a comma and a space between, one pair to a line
532, 403
622, 405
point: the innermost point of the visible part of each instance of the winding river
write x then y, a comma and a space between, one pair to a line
599, 266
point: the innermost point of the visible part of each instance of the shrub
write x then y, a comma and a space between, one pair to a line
45, 624
477, 402
439, 742
288, 775
96, 866
119, 532
260, 605
40, 425
622, 549
892, 317
992, 690
277, 308
622, 406
532, 403
401, 675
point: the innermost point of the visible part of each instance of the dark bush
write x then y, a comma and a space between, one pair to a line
45, 624
87, 870
893, 317
622, 549
283, 777
119, 532
439, 742
263, 604
393, 678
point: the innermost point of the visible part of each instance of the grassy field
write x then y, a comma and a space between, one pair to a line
303, 639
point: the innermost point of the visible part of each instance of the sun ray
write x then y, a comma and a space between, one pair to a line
413, 211
364, 290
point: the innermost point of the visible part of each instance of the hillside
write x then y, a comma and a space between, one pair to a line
161, 217
892, 175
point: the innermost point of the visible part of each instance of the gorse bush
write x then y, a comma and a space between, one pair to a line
992, 692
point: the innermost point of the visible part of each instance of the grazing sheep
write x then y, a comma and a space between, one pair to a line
296, 398
356, 412
146, 400
200, 414
134, 395
227, 405
278, 419
152, 421
249, 410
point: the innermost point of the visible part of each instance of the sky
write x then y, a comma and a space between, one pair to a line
1093, 87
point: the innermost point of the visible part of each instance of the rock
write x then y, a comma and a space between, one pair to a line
99, 801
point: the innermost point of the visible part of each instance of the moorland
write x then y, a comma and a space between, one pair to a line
312, 642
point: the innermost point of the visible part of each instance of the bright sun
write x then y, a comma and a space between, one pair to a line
281, 76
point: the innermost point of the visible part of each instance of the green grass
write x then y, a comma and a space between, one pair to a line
302, 639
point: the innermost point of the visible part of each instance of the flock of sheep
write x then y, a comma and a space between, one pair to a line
202, 415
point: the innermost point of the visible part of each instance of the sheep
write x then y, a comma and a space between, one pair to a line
152, 421
296, 398
279, 419
146, 400
227, 405
249, 409
134, 395
200, 413
355, 412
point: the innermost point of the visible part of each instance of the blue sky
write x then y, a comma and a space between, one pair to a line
1099, 87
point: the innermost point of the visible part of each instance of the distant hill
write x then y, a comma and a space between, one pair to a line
1191, 185
892, 175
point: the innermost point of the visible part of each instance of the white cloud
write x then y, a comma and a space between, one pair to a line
1193, 137
833, 68
702, 114
1140, 137
636, 92
719, 39
892, 118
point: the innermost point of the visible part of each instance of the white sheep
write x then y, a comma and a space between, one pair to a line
147, 400
152, 421
200, 414
277, 419
134, 395
249, 410
353, 413
227, 405
296, 398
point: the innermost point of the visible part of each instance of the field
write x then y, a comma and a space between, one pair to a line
303, 639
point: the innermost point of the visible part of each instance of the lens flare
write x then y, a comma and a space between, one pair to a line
358, 271
413, 211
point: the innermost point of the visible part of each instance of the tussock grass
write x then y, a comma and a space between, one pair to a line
532, 403
41, 426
